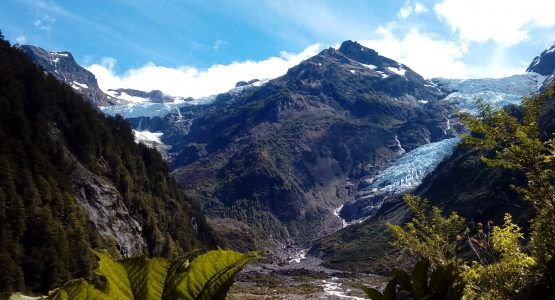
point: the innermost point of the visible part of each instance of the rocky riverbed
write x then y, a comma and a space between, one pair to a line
300, 277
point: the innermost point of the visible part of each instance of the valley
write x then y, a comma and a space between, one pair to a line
308, 167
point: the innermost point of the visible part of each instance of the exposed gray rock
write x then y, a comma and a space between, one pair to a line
62, 66
155, 96
105, 209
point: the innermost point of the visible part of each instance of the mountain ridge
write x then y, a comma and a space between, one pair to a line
74, 179
289, 147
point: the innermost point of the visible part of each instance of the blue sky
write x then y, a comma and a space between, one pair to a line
195, 48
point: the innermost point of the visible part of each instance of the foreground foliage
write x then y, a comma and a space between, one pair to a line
441, 283
502, 268
208, 276
507, 269
430, 234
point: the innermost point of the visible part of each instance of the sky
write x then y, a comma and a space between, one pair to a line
197, 48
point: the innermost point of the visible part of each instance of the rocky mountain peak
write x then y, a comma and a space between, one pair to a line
357, 70
544, 64
63, 66
364, 55
155, 96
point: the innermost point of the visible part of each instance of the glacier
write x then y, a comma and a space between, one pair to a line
410, 168
151, 109
497, 91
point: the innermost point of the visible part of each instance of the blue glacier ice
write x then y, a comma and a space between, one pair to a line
409, 169
151, 109
497, 91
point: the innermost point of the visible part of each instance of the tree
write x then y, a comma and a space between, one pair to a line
517, 145
429, 234
503, 269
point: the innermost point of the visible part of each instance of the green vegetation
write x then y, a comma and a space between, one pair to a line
45, 235
431, 236
442, 283
209, 276
504, 268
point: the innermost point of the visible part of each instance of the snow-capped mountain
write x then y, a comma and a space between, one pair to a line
408, 170
144, 105
543, 64
63, 66
136, 96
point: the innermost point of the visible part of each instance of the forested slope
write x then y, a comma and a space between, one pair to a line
65, 170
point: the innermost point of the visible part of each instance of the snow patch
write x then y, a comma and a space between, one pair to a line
146, 137
60, 54
371, 67
151, 109
399, 70
382, 74
129, 98
77, 85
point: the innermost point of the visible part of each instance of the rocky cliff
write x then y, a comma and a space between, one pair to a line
73, 179
283, 156
63, 66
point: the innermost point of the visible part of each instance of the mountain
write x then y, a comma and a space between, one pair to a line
64, 68
280, 156
73, 179
132, 95
460, 182
543, 64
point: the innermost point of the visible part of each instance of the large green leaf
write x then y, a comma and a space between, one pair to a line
420, 278
372, 293
403, 279
442, 278
209, 276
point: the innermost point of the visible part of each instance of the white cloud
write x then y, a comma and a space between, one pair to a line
426, 55
21, 40
431, 56
192, 82
506, 22
420, 8
45, 22
219, 43
407, 10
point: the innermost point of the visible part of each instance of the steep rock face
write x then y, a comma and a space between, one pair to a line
278, 157
108, 213
155, 96
62, 66
461, 183
543, 64
73, 179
